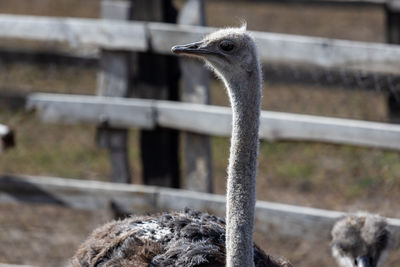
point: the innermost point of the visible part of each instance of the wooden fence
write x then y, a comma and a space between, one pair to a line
82, 35
209, 120
115, 38
282, 219
120, 44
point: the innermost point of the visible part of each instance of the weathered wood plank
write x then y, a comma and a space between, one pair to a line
163, 36
113, 111
393, 37
330, 53
282, 219
13, 265
328, 2
211, 120
215, 120
197, 118
76, 194
77, 34
6, 137
294, 49
286, 126
115, 9
156, 76
196, 89
113, 80
160, 37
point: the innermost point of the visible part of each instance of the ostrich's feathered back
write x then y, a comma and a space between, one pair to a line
188, 238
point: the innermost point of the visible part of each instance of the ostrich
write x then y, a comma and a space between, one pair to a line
359, 240
192, 238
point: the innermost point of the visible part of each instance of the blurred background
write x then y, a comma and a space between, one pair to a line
319, 175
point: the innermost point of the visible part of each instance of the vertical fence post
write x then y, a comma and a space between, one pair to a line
156, 77
195, 89
392, 10
113, 80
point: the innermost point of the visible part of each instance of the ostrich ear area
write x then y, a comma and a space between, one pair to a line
247, 63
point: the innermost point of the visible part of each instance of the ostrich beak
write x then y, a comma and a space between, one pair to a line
364, 261
194, 49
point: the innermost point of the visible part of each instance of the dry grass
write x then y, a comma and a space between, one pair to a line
312, 174
43, 235
48, 78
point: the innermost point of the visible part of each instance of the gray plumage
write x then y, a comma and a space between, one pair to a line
193, 238
360, 240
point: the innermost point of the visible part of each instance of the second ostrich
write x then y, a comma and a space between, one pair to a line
193, 238
360, 240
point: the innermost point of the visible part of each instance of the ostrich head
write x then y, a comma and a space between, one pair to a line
359, 240
231, 53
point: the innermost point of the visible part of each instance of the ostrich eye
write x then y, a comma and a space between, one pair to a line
226, 45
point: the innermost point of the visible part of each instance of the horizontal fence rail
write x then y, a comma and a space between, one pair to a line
13, 265
86, 34
293, 49
391, 4
77, 34
111, 111
330, 2
282, 219
209, 120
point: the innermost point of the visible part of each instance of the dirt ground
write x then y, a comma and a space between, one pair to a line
318, 175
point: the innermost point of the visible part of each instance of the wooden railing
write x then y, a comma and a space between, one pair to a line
83, 35
209, 120
282, 219
116, 36
113, 40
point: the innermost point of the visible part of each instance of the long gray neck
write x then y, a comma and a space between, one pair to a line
242, 170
